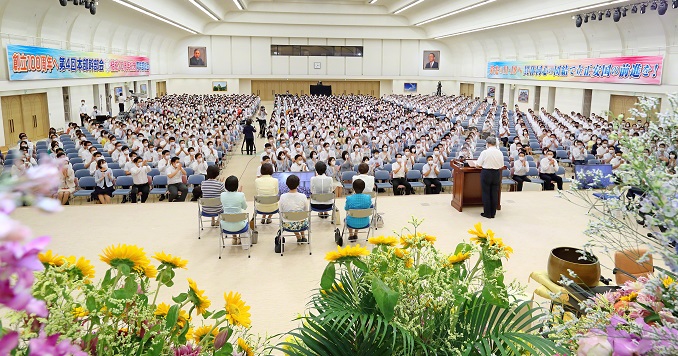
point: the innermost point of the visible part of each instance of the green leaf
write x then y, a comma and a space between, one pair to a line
131, 285
360, 264
172, 317
463, 248
494, 290
386, 298
124, 269
206, 314
425, 270
180, 298
122, 294
91, 303
328, 277
218, 314
225, 350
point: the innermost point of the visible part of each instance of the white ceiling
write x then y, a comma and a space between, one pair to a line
358, 18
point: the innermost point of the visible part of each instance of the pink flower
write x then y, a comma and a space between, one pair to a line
16, 276
187, 350
594, 343
50, 345
12, 230
40, 180
8, 342
19, 297
49, 205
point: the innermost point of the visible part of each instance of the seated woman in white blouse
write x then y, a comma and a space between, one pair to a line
66, 180
233, 201
103, 177
291, 202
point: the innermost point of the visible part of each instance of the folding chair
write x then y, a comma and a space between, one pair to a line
264, 200
194, 180
245, 243
207, 203
382, 180
119, 173
122, 182
326, 198
81, 173
86, 185
295, 216
506, 179
444, 176
159, 185
359, 213
347, 177
414, 177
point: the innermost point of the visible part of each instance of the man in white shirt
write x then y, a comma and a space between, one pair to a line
121, 103
363, 168
430, 172
322, 184
492, 162
164, 162
83, 113
175, 182
299, 165
399, 169
578, 152
139, 172
520, 169
547, 172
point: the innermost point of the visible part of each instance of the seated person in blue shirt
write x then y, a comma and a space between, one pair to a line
357, 201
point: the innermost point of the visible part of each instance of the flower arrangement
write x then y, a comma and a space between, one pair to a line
640, 318
54, 305
405, 297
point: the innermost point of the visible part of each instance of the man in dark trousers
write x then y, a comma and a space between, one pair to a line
492, 161
249, 131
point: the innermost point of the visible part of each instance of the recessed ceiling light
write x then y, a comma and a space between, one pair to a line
204, 9
414, 3
455, 12
238, 4
155, 16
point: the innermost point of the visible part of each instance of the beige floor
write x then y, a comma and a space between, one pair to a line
278, 287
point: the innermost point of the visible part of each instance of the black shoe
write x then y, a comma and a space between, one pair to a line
162, 197
486, 216
124, 200
353, 238
303, 239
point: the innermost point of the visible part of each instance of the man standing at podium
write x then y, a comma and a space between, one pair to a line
492, 161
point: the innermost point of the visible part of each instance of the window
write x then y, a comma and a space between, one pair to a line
321, 51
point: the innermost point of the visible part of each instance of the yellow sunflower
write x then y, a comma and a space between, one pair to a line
348, 251
242, 344
460, 257
429, 238
200, 301
400, 253
383, 240
478, 232
498, 243
161, 310
237, 312
335, 287
79, 312
149, 270
629, 298
173, 261
409, 263
199, 333
183, 318
130, 255
50, 258
83, 267
668, 281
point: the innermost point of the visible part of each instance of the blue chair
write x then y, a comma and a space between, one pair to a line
387, 167
81, 173
444, 176
154, 172
347, 177
561, 172
382, 180
414, 177
122, 182
119, 173
214, 203
421, 160
506, 180
533, 173
72, 155
159, 185
75, 160
193, 180
113, 166
594, 161
562, 157
78, 166
86, 185
418, 166
189, 171
108, 160
529, 158
245, 243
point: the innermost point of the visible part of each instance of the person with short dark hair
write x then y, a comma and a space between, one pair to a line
266, 185
520, 169
548, 167
291, 202
212, 188
400, 170
492, 162
430, 173
322, 184
175, 183
363, 168
233, 202
358, 200
249, 131
139, 172
103, 177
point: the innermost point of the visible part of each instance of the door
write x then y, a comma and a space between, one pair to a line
161, 88
35, 115
12, 119
621, 104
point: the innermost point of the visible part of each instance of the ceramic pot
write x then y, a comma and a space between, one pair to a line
563, 259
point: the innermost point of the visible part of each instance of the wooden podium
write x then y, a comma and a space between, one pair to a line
467, 191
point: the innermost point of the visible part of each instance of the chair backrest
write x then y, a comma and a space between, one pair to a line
154, 172
418, 166
296, 215
124, 181
504, 173
196, 179
82, 173
529, 158
413, 174
159, 180
118, 173
86, 182
189, 171
348, 175
627, 261
387, 167
238, 217
78, 166
561, 170
327, 197
532, 164
533, 172
113, 166
445, 174
210, 202
382, 175
561, 154
593, 161
75, 160
108, 160
421, 160
360, 213
268, 199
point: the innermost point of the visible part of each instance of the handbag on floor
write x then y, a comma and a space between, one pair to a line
278, 245
337, 217
379, 221
337, 237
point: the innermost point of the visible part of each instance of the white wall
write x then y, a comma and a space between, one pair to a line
571, 99
202, 86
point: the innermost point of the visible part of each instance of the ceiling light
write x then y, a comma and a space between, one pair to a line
634, 9
617, 15
578, 21
414, 3
238, 4
204, 9
662, 7
157, 17
653, 6
586, 18
373, 1
674, 4
529, 19
457, 12
643, 7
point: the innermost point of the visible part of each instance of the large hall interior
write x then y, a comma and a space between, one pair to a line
338, 177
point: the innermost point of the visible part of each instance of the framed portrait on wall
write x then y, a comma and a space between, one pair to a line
197, 56
410, 88
491, 91
523, 95
219, 86
431, 60
143, 88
